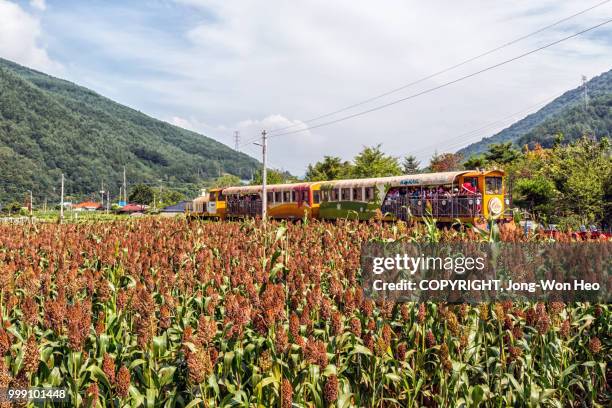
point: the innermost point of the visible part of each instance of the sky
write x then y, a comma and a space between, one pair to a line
220, 66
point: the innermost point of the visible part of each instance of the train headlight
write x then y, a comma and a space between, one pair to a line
495, 206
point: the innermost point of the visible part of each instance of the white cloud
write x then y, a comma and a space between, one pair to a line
20, 34
39, 4
196, 125
250, 133
304, 59
281, 63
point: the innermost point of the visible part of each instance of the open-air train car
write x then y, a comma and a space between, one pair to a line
468, 196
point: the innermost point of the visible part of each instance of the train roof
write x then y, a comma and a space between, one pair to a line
201, 199
269, 187
423, 179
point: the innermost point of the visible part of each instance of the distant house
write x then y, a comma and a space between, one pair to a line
87, 206
132, 208
174, 210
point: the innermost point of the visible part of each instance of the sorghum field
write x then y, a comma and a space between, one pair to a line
165, 313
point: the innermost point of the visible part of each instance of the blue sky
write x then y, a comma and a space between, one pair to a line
219, 66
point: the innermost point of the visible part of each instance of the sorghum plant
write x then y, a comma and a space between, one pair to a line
165, 313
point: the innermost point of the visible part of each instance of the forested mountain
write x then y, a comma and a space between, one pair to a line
573, 123
49, 126
558, 112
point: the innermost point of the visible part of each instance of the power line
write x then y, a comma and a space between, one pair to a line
271, 165
443, 71
429, 90
459, 139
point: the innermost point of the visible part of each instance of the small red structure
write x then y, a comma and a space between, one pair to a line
133, 208
87, 206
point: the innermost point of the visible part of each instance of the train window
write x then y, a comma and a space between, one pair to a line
369, 193
270, 197
221, 196
278, 197
324, 195
212, 196
293, 197
316, 196
357, 194
286, 196
305, 195
493, 185
334, 195
473, 181
346, 194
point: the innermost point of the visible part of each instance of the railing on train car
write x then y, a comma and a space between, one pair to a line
440, 207
244, 208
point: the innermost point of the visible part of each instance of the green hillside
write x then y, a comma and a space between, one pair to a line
573, 123
49, 126
599, 86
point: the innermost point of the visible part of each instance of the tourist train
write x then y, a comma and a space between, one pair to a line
470, 196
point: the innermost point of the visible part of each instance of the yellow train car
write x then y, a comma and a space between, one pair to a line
209, 204
284, 201
492, 188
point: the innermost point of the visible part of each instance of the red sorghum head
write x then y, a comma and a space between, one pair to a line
123, 382
331, 389
286, 394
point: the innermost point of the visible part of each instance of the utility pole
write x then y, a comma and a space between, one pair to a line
102, 193
107, 201
62, 201
264, 175
124, 186
31, 205
237, 140
586, 95
161, 189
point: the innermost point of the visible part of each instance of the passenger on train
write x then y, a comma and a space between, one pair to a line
470, 188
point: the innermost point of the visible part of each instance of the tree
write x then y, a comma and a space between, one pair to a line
537, 194
411, 165
502, 153
580, 172
445, 162
566, 184
331, 168
168, 197
12, 207
141, 194
226, 180
273, 177
373, 162
475, 162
